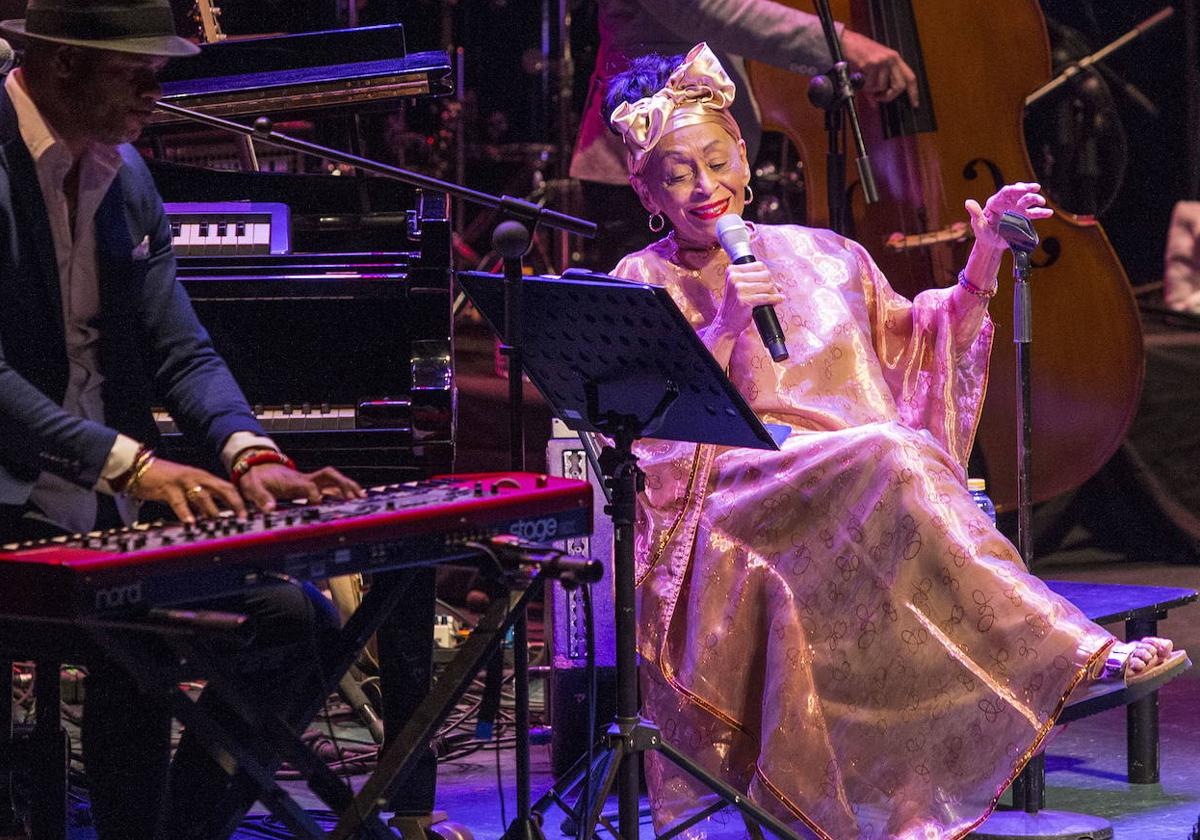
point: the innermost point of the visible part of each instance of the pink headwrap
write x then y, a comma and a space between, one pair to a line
698, 90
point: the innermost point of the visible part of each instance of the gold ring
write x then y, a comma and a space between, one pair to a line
193, 491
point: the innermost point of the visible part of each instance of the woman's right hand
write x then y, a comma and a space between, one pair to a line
188, 491
746, 286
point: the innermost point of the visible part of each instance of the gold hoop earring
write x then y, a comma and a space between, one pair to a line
749, 199
661, 222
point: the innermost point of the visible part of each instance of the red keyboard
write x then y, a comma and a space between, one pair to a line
421, 523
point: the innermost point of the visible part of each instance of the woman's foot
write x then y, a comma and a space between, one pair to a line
1143, 659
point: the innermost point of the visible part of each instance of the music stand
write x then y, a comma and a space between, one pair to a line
619, 358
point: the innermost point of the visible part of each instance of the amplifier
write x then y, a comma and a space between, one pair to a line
566, 458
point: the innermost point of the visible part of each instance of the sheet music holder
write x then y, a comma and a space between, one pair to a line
628, 341
619, 358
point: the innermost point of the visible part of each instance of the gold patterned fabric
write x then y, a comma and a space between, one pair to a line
836, 627
698, 90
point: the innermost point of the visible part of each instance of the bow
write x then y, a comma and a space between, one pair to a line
698, 90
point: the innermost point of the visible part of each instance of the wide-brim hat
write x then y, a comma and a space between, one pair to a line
134, 26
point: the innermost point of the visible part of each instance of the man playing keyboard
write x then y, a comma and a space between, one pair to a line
93, 327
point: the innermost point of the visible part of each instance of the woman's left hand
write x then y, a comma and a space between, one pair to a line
1022, 198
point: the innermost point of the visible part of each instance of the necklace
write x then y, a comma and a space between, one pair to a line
678, 249
676, 258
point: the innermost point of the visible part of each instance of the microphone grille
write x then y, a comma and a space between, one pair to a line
733, 234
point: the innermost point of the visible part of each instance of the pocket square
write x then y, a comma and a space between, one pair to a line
141, 251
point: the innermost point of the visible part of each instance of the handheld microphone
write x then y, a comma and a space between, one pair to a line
734, 237
8, 57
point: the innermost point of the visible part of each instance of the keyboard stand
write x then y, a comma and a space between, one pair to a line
262, 742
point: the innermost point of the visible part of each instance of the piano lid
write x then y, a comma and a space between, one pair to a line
239, 56
285, 74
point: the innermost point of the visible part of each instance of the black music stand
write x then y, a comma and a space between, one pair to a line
619, 358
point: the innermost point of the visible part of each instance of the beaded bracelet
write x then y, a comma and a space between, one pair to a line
262, 456
975, 290
245, 452
125, 481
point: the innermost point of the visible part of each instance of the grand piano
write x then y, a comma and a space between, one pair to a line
329, 296
336, 319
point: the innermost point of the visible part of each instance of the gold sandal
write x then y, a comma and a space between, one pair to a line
1116, 665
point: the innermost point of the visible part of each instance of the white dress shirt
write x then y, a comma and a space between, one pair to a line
62, 502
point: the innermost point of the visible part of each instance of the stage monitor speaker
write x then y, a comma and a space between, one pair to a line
566, 457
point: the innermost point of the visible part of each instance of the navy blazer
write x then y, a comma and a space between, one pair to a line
152, 347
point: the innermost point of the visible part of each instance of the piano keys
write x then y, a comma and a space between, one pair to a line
344, 355
287, 418
128, 570
229, 228
356, 311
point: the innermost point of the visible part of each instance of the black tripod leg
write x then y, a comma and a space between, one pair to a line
678, 828
571, 781
525, 826
730, 794
600, 785
631, 735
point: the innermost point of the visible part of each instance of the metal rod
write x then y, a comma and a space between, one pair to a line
1076, 67
1141, 720
460, 134
839, 74
1022, 337
624, 514
521, 679
264, 132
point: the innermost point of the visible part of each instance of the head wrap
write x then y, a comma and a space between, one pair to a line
698, 90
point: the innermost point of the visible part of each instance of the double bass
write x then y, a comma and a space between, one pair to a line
975, 64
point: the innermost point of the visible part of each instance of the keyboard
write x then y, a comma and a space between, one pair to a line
230, 228
396, 526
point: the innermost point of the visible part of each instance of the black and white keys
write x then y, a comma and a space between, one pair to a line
229, 228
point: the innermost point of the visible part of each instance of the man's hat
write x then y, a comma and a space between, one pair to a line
134, 26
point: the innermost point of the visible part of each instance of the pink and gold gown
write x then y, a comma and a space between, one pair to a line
836, 627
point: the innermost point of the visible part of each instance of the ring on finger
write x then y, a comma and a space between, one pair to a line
193, 492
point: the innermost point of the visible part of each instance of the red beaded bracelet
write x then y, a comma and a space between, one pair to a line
986, 294
266, 456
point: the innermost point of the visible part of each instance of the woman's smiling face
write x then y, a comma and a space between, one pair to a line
695, 175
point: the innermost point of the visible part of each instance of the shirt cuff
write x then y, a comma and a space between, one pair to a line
243, 440
120, 459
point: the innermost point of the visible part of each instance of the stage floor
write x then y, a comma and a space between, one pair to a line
1085, 761
1085, 767
1085, 773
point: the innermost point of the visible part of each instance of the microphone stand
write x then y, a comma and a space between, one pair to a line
511, 238
1022, 240
834, 91
263, 130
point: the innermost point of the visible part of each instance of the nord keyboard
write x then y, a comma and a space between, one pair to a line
396, 526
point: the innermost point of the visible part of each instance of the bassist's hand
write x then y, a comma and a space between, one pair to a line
886, 73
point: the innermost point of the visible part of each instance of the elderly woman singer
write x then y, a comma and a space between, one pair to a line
834, 627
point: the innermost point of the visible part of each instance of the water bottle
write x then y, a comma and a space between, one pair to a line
978, 488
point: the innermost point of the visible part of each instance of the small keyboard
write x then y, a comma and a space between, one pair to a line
229, 228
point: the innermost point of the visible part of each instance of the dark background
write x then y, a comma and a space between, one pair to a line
1144, 160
